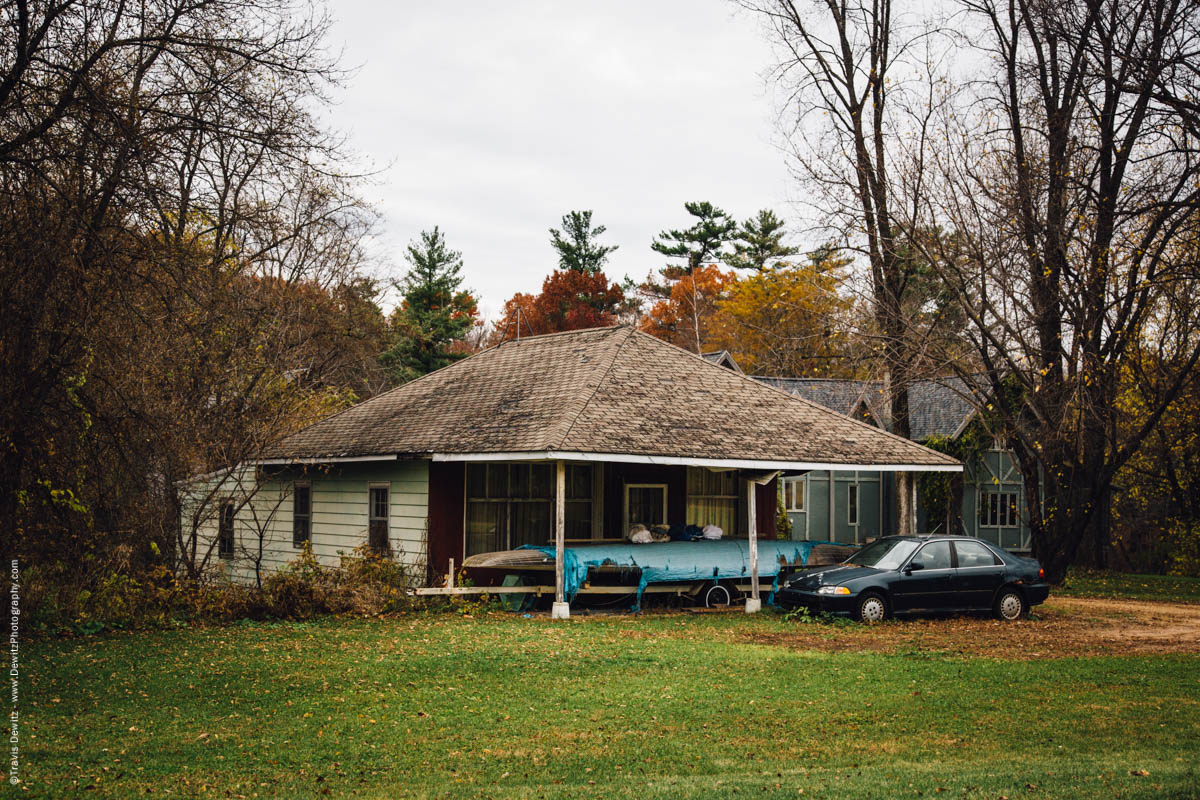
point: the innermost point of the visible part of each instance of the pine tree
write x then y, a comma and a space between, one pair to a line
758, 244
435, 313
576, 244
701, 244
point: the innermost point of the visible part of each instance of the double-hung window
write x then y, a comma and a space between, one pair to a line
301, 514
793, 494
225, 530
377, 511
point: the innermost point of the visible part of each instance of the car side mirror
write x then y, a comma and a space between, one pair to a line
909, 569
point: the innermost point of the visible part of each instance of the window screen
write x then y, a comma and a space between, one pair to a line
512, 504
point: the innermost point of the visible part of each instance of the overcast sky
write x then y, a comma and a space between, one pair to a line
493, 120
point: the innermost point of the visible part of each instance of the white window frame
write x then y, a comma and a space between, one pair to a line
802, 484
665, 497
295, 486
371, 487
227, 502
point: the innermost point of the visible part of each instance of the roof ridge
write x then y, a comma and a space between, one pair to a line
558, 333
791, 396
595, 389
827, 380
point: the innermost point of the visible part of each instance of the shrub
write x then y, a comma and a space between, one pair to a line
364, 583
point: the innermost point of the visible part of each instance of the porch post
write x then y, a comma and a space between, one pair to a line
753, 602
561, 609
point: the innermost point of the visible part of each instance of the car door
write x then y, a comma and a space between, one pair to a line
927, 580
979, 574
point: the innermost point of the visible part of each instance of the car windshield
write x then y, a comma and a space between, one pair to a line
884, 554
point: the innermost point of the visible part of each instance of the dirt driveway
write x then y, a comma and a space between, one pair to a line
1063, 626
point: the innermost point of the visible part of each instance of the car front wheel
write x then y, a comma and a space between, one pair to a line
871, 608
1010, 605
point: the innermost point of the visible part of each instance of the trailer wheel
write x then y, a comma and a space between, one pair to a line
716, 596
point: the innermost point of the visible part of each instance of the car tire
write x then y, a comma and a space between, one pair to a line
1010, 605
872, 607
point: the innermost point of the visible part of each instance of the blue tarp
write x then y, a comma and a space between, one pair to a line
670, 562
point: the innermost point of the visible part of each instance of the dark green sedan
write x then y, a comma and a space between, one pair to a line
903, 574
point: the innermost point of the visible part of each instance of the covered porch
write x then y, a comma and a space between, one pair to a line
560, 520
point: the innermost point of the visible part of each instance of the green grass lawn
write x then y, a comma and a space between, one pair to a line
1125, 586
653, 706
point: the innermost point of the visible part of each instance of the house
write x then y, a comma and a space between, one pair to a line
565, 437
863, 502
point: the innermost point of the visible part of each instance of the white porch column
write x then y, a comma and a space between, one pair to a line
561, 609
753, 602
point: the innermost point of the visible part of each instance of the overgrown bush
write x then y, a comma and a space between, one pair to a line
364, 583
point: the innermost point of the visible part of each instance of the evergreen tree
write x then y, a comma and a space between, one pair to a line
690, 249
758, 244
701, 243
435, 315
576, 244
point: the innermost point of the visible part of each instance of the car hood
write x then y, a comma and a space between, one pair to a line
831, 576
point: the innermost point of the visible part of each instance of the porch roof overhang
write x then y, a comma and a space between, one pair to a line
712, 463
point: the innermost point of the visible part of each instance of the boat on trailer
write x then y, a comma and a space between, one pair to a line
709, 573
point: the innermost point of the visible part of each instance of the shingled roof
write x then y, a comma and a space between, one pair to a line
936, 407
612, 392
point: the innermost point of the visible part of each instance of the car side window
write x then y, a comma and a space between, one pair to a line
935, 555
974, 554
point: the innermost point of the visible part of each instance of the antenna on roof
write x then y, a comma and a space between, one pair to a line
520, 315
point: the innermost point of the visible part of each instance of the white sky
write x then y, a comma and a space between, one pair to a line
493, 120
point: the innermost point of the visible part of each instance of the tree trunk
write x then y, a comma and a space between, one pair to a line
904, 505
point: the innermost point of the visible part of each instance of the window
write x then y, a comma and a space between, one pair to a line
935, 555
974, 554
377, 516
301, 514
712, 498
509, 505
578, 519
998, 509
793, 493
645, 504
225, 531
852, 504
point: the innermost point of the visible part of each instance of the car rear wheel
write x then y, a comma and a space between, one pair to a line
871, 608
1010, 605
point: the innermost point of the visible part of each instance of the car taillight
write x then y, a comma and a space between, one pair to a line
1041, 573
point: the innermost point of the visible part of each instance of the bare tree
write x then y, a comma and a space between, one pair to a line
860, 96
166, 196
1070, 186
